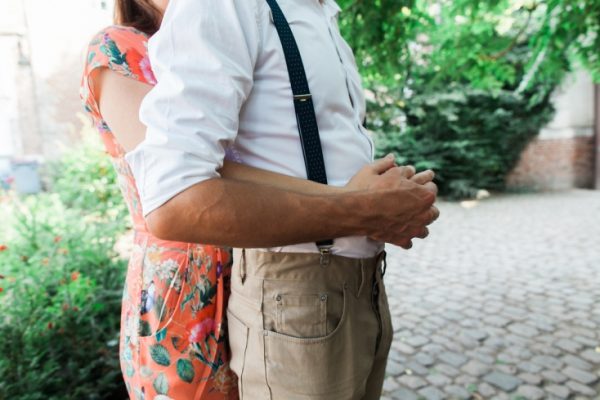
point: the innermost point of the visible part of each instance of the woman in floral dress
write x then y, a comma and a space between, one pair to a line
173, 335
172, 341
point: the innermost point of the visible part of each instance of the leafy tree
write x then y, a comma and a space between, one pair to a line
448, 79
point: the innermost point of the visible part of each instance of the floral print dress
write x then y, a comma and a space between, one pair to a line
173, 335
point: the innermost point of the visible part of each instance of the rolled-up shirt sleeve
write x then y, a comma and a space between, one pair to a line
203, 58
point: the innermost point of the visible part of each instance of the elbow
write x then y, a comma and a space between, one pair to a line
177, 220
160, 223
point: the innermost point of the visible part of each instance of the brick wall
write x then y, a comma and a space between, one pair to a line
550, 164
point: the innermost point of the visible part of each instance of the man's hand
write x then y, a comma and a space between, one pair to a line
410, 199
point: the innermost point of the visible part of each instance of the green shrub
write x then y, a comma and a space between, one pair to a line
471, 138
62, 285
84, 178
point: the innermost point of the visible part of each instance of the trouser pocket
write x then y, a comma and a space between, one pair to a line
326, 367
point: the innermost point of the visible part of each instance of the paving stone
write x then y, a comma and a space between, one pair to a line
586, 341
477, 334
523, 330
500, 396
531, 392
475, 368
568, 345
546, 349
432, 393
390, 384
580, 376
424, 359
528, 366
404, 394
397, 356
433, 348
411, 381
438, 379
416, 368
483, 357
581, 389
591, 356
394, 368
457, 392
548, 362
454, 359
562, 392
417, 341
465, 380
486, 390
447, 370
467, 342
554, 376
496, 320
515, 312
502, 381
519, 352
532, 379
577, 362
403, 348
507, 369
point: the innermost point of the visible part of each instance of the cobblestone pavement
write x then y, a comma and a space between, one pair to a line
502, 301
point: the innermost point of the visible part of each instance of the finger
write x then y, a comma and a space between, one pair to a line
405, 243
435, 213
432, 187
423, 177
427, 217
383, 164
423, 234
407, 171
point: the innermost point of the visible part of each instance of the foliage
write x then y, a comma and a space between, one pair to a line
422, 61
427, 43
61, 287
85, 179
471, 138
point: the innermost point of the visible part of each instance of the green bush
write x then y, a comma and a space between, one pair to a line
471, 138
85, 179
62, 283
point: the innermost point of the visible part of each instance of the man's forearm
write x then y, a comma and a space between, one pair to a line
239, 214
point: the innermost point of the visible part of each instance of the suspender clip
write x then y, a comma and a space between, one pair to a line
302, 97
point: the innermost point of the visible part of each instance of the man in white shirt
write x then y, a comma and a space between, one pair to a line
299, 327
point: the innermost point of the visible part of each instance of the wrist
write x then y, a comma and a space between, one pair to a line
354, 210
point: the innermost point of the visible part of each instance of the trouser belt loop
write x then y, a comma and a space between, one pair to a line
325, 251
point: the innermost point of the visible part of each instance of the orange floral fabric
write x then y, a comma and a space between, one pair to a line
173, 341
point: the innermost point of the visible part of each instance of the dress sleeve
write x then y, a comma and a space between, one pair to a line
203, 57
120, 49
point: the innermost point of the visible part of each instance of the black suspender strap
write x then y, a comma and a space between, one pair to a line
304, 107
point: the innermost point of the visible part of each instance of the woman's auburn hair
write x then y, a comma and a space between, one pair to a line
142, 15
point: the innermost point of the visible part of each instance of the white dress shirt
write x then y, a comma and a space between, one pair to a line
224, 92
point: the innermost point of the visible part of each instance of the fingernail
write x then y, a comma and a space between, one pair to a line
390, 156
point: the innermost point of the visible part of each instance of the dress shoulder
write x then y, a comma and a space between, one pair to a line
121, 49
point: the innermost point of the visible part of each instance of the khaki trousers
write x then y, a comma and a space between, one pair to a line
300, 330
